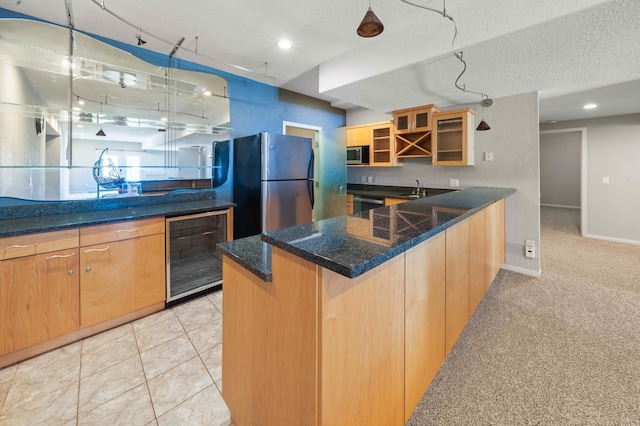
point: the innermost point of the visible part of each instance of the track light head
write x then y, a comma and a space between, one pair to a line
140, 40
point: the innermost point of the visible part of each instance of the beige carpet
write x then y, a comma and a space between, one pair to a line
560, 350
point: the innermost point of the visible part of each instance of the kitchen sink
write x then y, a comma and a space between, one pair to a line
411, 195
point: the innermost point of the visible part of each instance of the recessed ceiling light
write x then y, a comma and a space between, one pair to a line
206, 93
590, 106
284, 44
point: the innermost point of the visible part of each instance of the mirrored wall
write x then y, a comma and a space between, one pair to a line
68, 100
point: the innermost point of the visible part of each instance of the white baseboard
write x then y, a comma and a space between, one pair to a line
531, 273
560, 206
615, 240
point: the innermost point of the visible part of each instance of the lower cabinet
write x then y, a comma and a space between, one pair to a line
58, 287
38, 299
120, 277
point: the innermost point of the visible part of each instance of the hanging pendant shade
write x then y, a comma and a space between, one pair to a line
370, 25
101, 132
483, 126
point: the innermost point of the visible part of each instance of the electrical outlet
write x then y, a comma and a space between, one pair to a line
363, 179
530, 249
605, 180
369, 179
453, 183
488, 156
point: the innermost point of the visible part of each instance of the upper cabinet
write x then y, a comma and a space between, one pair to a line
382, 147
414, 119
452, 138
379, 137
413, 128
359, 135
424, 131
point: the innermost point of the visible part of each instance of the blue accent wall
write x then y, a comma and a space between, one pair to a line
254, 106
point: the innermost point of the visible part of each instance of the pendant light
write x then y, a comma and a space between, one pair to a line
100, 132
370, 25
483, 124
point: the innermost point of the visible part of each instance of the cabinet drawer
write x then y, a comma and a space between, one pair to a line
44, 242
120, 231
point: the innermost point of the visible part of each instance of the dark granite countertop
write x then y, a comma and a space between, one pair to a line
250, 252
55, 215
402, 192
354, 244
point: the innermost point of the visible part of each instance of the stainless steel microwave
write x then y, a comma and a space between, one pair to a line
358, 155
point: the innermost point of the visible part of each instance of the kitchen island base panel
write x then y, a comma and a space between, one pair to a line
270, 343
424, 318
323, 338
376, 340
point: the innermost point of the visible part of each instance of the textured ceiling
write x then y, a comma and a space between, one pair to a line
560, 49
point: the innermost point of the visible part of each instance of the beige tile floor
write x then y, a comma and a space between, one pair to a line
164, 369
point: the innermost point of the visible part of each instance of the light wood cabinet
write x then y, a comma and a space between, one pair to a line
359, 136
413, 129
380, 140
413, 120
495, 240
121, 276
457, 282
478, 261
393, 201
424, 318
38, 292
349, 203
382, 152
452, 138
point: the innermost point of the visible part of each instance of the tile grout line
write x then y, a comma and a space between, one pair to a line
144, 372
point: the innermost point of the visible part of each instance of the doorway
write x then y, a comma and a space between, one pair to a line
330, 167
563, 171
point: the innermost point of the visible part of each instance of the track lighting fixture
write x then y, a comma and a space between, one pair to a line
370, 25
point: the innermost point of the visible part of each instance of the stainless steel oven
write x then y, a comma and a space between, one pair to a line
361, 203
193, 263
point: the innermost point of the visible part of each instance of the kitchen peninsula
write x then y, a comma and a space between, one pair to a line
70, 269
347, 320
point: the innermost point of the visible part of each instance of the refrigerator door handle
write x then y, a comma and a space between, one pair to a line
310, 166
342, 194
310, 185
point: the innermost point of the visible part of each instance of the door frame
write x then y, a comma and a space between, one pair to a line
583, 172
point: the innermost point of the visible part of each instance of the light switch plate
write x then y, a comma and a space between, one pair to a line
454, 183
605, 180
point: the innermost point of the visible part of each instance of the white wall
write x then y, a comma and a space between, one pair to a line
514, 141
613, 151
560, 169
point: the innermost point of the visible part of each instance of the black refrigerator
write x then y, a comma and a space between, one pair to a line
273, 183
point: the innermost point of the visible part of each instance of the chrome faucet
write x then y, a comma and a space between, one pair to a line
417, 190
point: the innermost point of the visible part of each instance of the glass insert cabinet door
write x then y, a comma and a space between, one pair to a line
59, 110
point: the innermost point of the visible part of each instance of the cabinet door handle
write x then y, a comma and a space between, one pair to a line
127, 230
15, 246
93, 250
60, 256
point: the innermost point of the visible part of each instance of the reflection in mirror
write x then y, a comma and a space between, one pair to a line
158, 122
